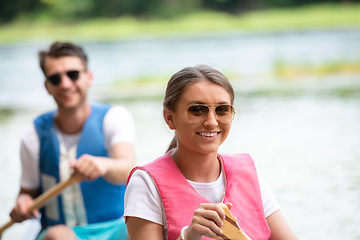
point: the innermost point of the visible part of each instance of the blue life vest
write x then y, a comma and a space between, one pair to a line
103, 201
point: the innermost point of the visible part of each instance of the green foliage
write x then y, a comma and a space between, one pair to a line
69, 8
232, 6
115, 8
9, 9
110, 29
293, 71
294, 3
6, 114
86, 9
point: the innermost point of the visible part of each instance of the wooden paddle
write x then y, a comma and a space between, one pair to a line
231, 229
46, 196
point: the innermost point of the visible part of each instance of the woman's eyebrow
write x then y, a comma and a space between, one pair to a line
200, 102
196, 102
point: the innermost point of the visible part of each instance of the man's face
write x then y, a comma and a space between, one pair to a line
69, 94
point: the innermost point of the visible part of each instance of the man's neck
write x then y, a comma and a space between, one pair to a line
72, 121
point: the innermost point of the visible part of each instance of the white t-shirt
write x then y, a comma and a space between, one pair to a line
142, 198
118, 126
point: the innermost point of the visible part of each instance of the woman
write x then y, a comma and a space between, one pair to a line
175, 196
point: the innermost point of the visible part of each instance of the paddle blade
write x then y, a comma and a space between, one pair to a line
231, 229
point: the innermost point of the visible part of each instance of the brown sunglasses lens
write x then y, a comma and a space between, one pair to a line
197, 113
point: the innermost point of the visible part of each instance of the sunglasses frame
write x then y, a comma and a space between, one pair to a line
60, 75
233, 112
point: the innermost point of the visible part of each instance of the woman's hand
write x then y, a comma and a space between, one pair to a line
207, 221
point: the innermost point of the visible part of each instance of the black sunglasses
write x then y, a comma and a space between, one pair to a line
55, 79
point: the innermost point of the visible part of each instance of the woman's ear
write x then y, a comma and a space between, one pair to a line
169, 118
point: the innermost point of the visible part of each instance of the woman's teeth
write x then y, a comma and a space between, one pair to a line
208, 134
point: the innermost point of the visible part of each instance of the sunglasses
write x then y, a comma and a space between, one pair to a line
197, 113
55, 79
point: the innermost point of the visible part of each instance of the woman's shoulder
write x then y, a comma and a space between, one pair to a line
142, 198
140, 176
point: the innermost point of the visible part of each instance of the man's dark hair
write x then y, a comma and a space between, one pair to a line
62, 49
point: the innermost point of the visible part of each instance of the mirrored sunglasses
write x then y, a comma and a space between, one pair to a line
197, 113
55, 79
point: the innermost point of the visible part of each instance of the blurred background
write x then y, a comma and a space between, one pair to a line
294, 64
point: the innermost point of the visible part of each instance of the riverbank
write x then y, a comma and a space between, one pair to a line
316, 16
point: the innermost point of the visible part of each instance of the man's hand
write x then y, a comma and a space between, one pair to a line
20, 212
89, 166
114, 170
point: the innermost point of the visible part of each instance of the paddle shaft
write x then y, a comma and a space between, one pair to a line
46, 196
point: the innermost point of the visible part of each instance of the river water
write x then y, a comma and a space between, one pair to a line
303, 133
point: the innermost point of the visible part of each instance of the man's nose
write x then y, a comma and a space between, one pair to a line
65, 80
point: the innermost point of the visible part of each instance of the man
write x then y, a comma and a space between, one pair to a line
95, 140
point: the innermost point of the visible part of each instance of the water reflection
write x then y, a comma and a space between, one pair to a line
246, 56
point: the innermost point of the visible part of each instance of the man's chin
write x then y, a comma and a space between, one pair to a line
68, 107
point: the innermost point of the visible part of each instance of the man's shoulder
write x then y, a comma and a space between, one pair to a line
30, 136
119, 125
100, 105
45, 117
118, 111
118, 108
110, 107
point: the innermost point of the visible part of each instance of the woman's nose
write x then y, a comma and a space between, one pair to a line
211, 119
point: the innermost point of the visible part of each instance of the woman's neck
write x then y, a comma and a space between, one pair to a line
197, 167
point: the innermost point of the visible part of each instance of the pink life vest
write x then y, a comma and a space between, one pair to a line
180, 199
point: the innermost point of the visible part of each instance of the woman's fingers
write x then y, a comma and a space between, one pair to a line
229, 205
211, 214
202, 230
207, 220
219, 217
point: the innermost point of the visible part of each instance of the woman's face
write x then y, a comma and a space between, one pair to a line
207, 135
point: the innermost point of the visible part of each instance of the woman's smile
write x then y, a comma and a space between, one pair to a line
208, 134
